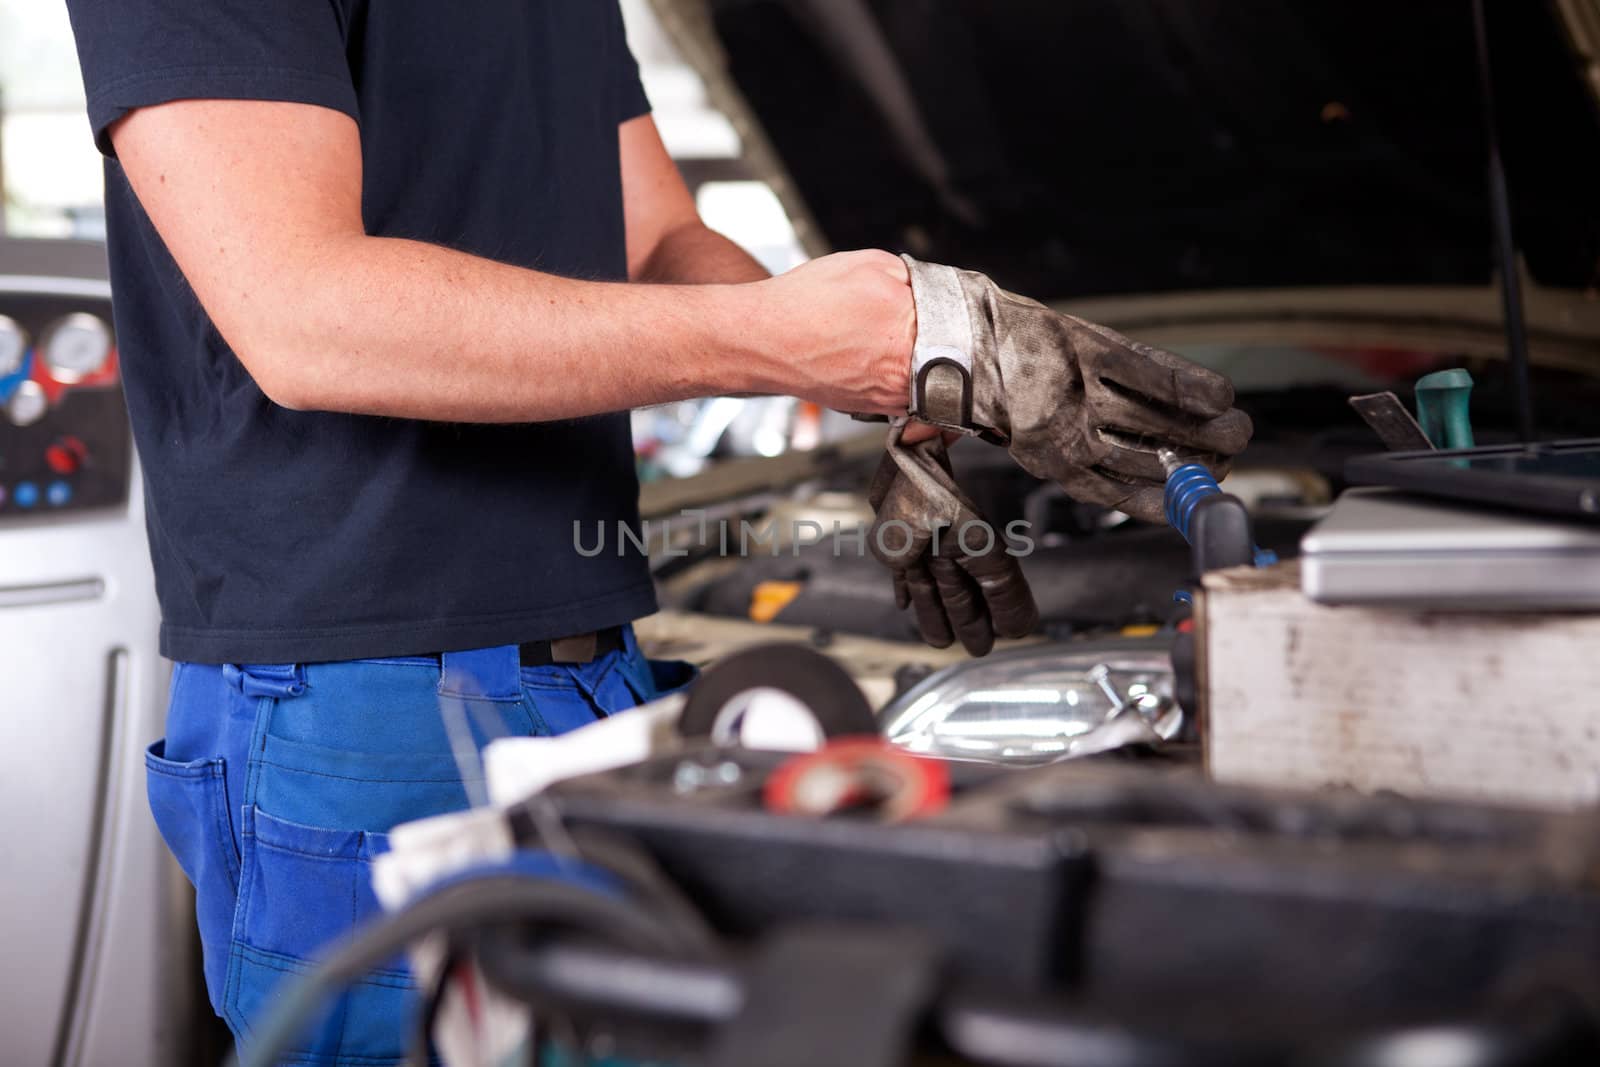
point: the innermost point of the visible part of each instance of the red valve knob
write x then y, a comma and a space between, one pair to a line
66, 455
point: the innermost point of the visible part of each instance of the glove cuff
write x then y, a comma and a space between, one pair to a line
941, 361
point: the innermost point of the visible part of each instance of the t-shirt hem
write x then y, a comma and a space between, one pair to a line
634, 108
111, 101
378, 640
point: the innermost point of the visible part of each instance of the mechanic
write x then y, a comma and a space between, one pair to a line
388, 277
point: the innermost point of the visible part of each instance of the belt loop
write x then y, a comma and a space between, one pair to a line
482, 673
266, 680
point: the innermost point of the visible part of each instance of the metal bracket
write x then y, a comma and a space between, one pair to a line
941, 386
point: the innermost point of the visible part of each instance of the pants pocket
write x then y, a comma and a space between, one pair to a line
302, 889
190, 805
652, 679
320, 786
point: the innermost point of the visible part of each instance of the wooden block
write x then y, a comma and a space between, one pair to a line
1499, 707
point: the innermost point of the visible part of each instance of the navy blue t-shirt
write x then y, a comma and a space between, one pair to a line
488, 126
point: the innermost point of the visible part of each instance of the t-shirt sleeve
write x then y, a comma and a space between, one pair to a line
628, 89
137, 53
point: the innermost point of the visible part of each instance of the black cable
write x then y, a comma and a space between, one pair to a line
1505, 239
630, 865
537, 1051
487, 901
537, 822
645, 879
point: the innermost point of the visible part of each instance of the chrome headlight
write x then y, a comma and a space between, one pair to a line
1039, 704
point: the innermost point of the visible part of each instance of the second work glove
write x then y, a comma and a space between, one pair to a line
949, 565
1076, 403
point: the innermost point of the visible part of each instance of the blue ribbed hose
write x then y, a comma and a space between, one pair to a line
1187, 485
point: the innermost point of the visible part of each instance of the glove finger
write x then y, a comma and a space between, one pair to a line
1141, 500
939, 452
1143, 466
1012, 611
902, 595
1146, 503
882, 481
927, 607
1135, 465
923, 495
1163, 376
894, 541
1131, 427
964, 605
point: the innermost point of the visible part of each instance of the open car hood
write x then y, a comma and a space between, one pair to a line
1319, 164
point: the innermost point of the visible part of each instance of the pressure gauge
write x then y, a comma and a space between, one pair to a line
13, 346
75, 347
28, 404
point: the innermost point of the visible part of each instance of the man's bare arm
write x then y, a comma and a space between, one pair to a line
667, 242
260, 204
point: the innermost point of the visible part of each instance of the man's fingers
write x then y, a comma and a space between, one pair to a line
1164, 377
916, 432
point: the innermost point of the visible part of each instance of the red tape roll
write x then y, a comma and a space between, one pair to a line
857, 772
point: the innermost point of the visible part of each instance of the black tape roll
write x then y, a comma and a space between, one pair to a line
831, 695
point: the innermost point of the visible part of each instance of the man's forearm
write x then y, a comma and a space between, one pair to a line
325, 317
412, 330
697, 254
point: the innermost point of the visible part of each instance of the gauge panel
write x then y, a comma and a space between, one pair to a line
13, 346
65, 446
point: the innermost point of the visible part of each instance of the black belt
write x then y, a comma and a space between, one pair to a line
579, 648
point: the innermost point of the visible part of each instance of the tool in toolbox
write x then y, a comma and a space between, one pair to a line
1390, 420
1443, 414
1383, 546
1443, 400
1436, 454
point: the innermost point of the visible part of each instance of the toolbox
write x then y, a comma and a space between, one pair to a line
1121, 900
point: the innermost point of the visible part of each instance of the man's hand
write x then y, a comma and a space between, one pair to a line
851, 324
846, 321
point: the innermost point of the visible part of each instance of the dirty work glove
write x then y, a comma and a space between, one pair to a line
1075, 403
918, 535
